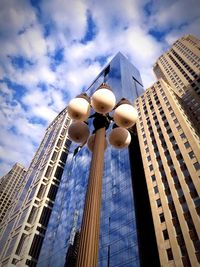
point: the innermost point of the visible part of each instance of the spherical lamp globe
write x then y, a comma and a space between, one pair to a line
103, 100
79, 109
78, 132
120, 138
125, 115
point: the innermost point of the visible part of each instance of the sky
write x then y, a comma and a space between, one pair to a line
52, 50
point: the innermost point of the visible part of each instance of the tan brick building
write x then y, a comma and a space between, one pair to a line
170, 150
180, 67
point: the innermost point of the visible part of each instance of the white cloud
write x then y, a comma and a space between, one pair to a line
15, 17
31, 43
67, 16
168, 14
44, 104
192, 28
12, 147
148, 76
18, 135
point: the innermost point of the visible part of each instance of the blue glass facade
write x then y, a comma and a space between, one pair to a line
118, 243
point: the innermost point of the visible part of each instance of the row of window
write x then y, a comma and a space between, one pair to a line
181, 69
183, 63
171, 72
179, 157
188, 53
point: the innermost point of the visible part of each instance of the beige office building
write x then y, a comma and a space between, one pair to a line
23, 229
11, 185
180, 67
170, 149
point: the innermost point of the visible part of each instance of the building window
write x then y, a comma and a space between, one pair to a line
182, 136
155, 189
21, 243
52, 192
58, 173
36, 246
169, 254
165, 234
162, 217
151, 167
54, 156
172, 115
63, 157
191, 155
153, 178
107, 70
187, 145
48, 172
59, 143
44, 218
33, 213
197, 166
158, 203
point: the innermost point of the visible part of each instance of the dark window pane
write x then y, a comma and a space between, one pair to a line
162, 217
169, 254
165, 234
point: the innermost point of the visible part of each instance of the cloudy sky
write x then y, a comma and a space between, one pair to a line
51, 50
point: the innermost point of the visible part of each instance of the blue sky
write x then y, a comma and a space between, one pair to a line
51, 50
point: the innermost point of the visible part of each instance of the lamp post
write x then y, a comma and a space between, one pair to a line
125, 115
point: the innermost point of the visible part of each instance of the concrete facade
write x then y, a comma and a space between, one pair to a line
11, 185
23, 230
170, 150
180, 68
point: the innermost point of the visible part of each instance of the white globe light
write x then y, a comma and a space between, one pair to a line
103, 100
120, 138
125, 115
90, 142
79, 109
78, 132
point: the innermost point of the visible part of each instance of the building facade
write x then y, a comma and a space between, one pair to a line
180, 68
119, 239
170, 149
11, 185
24, 227
180, 65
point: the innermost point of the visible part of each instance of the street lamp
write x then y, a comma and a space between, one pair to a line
102, 101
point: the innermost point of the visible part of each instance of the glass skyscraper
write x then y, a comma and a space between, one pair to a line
118, 243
